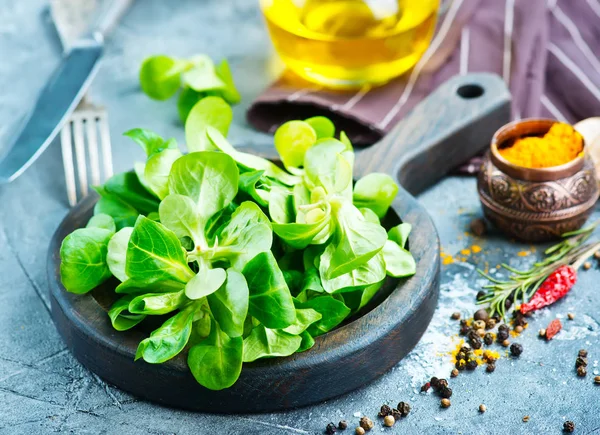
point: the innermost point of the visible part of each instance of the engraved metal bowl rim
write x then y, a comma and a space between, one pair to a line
523, 127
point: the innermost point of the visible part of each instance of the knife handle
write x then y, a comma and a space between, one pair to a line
108, 17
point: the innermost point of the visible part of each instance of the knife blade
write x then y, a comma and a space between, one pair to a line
54, 105
61, 95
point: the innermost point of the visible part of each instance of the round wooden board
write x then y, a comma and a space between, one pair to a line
438, 134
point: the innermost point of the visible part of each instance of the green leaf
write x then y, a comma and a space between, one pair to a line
371, 272
399, 263
270, 299
123, 214
116, 257
248, 183
400, 233
205, 282
157, 303
307, 342
119, 316
186, 100
154, 254
202, 75
281, 205
329, 164
103, 221
229, 92
209, 178
292, 140
304, 318
127, 187
216, 362
346, 141
370, 215
359, 298
333, 313
208, 112
357, 241
251, 161
375, 191
157, 170
264, 342
245, 235
150, 142
323, 126
229, 304
178, 213
160, 76
168, 340
83, 259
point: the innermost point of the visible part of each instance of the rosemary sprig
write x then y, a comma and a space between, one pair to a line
521, 285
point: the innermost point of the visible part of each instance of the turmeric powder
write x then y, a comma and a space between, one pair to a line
561, 144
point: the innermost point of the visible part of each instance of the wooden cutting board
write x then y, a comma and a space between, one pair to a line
453, 124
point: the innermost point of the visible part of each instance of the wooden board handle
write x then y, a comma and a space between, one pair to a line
454, 123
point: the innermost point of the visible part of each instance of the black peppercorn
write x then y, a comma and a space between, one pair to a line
503, 327
490, 323
481, 314
464, 330
442, 383
569, 426
582, 353
581, 361
404, 408
434, 382
460, 364
501, 335
480, 295
581, 371
343, 425
475, 342
465, 349
396, 414
490, 368
507, 303
385, 410
497, 318
471, 364
488, 338
445, 392
516, 349
330, 429
461, 355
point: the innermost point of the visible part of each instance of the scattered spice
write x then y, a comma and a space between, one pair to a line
481, 314
597, 255
330, 429
404, 408
478, 324
542, 333
506, 343
471, 364
396, 414
581, 361
581, 371
366, 423
454, 372
516, 349
482, 408
445, 392
570, 316
525, 419
385, 411
597, 380
445, 403
552, 289
460, 364
518, 329
425, 387
561, 144
488, 338
490, 323
583, 353
553, 328
434, 382
568, 426
490, 368
455, 315
389, 421
343, 425
481, 332
587, 265
478, 227
359, 431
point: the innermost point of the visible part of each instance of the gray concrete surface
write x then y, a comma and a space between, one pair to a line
44, 390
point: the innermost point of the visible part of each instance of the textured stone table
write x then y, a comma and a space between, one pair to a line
44, 390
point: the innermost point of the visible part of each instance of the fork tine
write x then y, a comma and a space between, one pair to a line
79, 142
67, 154
105, 145
92, 142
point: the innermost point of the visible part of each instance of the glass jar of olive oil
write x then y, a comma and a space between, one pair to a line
350, 43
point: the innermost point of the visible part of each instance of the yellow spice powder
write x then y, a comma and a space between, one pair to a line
558, 146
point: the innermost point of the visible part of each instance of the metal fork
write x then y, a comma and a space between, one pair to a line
87, 129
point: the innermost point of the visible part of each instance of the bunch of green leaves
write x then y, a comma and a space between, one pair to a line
245, 260
196, 78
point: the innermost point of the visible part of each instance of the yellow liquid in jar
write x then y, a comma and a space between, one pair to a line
350, 43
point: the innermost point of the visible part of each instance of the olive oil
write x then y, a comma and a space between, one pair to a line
350, 43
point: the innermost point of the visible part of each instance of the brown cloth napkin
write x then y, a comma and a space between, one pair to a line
546, 51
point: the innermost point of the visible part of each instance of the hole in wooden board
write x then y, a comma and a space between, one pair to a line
470, 91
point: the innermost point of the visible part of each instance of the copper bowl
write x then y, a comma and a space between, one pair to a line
535, 205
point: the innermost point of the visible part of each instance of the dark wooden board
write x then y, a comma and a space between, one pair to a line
441, 132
